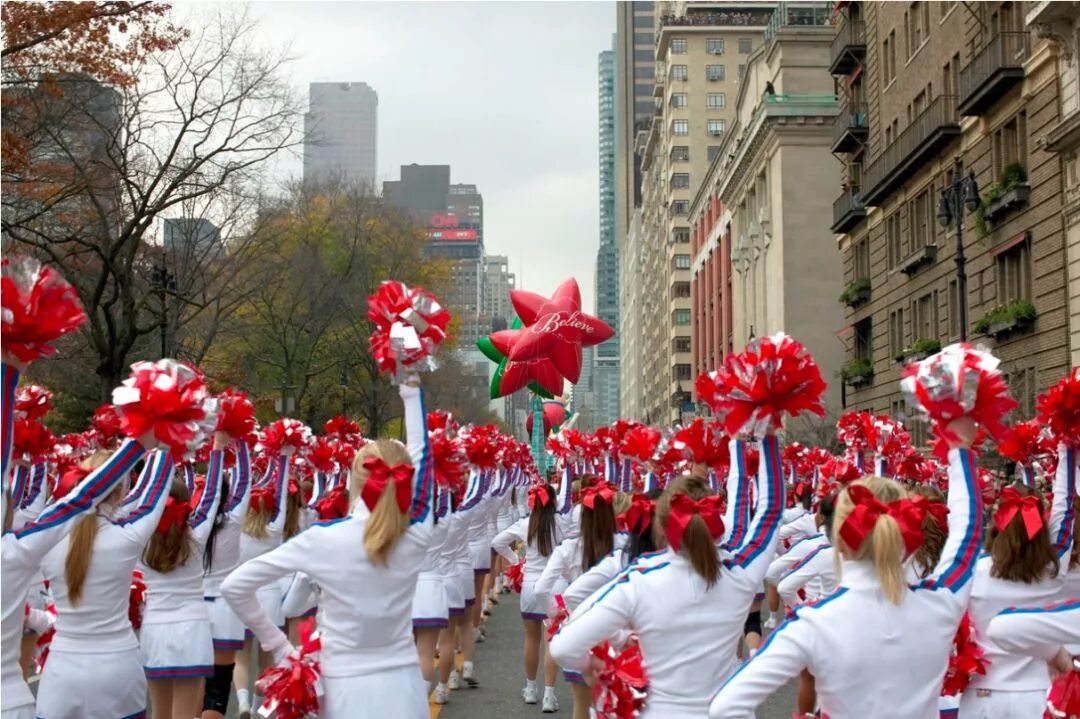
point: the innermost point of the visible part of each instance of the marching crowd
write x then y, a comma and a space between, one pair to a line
176, 551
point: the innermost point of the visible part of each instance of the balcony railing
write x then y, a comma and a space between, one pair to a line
932, 130
734, 18
999, 66
848, 47
851, 128
848, 211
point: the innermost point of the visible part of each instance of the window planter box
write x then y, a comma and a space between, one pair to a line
923, 256
859, 381
856, 373
1016, 325
856, 293
1012, 318
1014, 198
917, 351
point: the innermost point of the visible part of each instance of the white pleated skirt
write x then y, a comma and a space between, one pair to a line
397, 693
177, 650
225, 627
92, 686
430, 609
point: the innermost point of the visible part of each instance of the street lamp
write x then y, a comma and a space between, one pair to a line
163, 281
959, 193
344, 387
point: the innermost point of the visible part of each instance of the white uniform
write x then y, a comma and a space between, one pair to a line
1014, 684
531, 607
799, 549
1037, 631
23, 551
270, 595
431, 607
456, 527
688, 633
175, 640
369, 663
94, 668
225, 627
815, 573
854, 636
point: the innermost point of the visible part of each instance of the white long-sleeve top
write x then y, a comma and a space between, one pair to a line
1037, 631
909, 643
815, 572
786, 560
801, 526
450, 550
440, 530
534, 560
177, 596
565, 563
365, 609
99, 623
688, 633
251, 547
226, 551
23, 550
33, 496
990, 595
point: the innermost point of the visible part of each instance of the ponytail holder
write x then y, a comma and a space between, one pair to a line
683, 511
638, 513
938, 510
1027, 507
380, 474
539, 494
602, 491
868, 509
175, 515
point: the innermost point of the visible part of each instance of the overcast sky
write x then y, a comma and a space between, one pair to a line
503, 92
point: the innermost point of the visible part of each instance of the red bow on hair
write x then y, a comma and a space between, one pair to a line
334, 504
539, 493
262, 499
683, 510
938, 510
602, 491
69, 480
175, 515
802, 488
638, 513
381, 474
1027, 507
868, 508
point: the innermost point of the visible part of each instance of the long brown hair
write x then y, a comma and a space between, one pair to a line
698, 544
293, 503
1016, 558
597, 532
387, 522
885, 545
165, 552
81, 540
542, 524
934, 535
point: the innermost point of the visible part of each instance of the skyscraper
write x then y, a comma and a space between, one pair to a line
606, 363
635, 57
340, 132
498, 282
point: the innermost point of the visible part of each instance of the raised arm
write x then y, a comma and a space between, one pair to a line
35, 498
564, 496
737, 510
957, 563
516, 532
202, 519
10, 375
189, 476
240, 490
416, 435
20, 480
756, 550
1038, 631
591, 624
140, 522
1063, 506
281, 492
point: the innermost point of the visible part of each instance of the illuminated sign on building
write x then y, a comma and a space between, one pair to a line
443, 220
452, 234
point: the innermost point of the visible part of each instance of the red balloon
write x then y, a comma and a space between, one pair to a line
555, 329
554, 415
519, 374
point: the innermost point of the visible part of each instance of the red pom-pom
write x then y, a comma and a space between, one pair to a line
31, 441
410, 324
449, 460
439, 419
321, 455
959, 381
480, 445
39, 306
703, 443
167, 398
620, 689
32, 401
283, 435
772, 378
852, 429
292, 689
236, 414
1063, 699
965, 661
343, 429
44, 640
345, 453
1024, 443
640, 442
1059, 409
136, 599
106, 426
515, 574
561, 615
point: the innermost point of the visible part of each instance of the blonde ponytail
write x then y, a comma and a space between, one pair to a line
81, 540
387, 522
884, 546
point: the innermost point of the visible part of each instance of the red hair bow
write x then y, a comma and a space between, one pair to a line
540, 493
938, 510
175, 515
380, 474
334, 504
868, 508
638, 516
602, 491
69, 480
683, 511
1027, 507
262, 499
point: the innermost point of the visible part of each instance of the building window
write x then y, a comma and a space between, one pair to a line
680, 290
682, 262
714, 73
714, 45
745, 45
680, 180
917, 23
681, 236
680, 153
679, 72
921, 220
678, 99
893, 240
888, 58
1014, 274
861, 257
716, 101
643, 20
712, 151
897, 340
681, 207
681, 317
742, 71
924, 320
681, 344
683, 372
863, 347
680, 127
716, 127
678, 46
1010, 144
1022, 386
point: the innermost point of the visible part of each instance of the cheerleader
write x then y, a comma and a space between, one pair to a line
366, 567
430, 606
1039, 631
466, 579
541, 535
1022, 567
454, 585
570, 559
691, 589
175, 640
221, 556
815, 572
94, 667
263, 530
902, 632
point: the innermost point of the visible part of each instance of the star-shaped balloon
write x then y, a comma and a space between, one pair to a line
516, 374
556, 329
501, 387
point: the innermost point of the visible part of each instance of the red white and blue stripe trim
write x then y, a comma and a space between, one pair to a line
160, 472
960, 570
424, 476
765, 525
11, 383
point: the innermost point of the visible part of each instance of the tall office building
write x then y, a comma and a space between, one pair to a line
634, 71
606, 365
421, 192
495, 306
195, 235
340, 130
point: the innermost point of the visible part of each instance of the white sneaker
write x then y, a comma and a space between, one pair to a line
454, 682
468, 675
478, 636
529, 695
441, 695
550, 705
243, 710
771, 622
